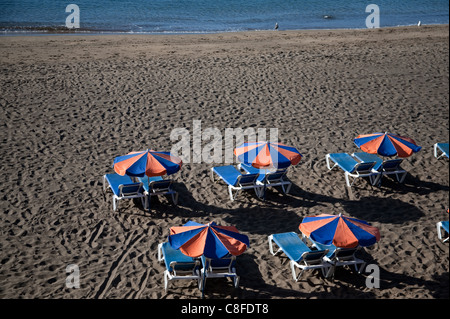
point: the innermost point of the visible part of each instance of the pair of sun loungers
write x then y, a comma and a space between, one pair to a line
363, 164
370, 165
181, 267
123, 187
324, 258
246, 177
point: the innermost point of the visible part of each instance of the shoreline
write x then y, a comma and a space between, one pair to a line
62, 32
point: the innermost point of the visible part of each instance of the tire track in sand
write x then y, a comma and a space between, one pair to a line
130, 242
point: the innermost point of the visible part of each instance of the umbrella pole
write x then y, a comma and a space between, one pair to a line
203, 280
149, 196
264, 197
265, 181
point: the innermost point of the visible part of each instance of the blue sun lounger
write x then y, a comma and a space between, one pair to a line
156, 186
299, 254
235, 180
387, 167
178, 265
219, 268
442, 229
352, 168
270, 179
440, 150
122, 187
339, 257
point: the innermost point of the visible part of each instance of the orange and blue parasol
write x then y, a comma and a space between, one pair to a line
149, 162
267, 155
387, 144
210, 240
340, 231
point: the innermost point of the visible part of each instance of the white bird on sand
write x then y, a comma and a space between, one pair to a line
419, 24
276, 26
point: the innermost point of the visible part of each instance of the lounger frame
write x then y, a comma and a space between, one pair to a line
346, 257
359, 170
126, 191
438, 151
277, 178
241, 185
281, 180
340, 257
442, 231
179, 274
226, 270
385, 167
161, 187
313, 259
399, 173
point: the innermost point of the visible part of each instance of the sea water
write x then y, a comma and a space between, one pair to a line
210, 16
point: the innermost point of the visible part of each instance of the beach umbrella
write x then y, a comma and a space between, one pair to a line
210, 240
339, 230
387, 144
267, 156
147, 163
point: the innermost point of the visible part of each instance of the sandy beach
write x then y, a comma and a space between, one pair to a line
71, 104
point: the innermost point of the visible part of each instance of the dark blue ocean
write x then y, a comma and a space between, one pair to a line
208, 16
